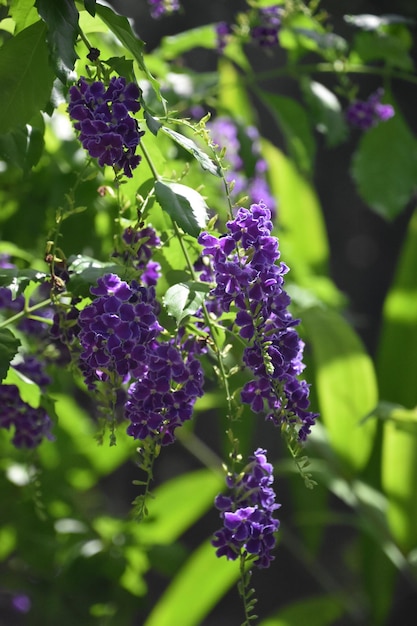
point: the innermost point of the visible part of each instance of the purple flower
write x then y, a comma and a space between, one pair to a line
102, 117
160, 8
223, 32
268, 23
31, 425
247, 276
249, 175
364, 114
115, 328
247, 513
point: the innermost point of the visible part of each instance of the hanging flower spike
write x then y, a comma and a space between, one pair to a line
246, 274
161, 8
247, 513
101, 115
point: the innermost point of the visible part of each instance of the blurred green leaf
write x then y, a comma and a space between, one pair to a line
384, 167
9, 345
315, 611
191, 147
178, 504
25, 76
28, 390
174, 46
62, 21
399, 479
233, 96
326, 110
85, 271
22, 146
198, 586
377, 46
294, 122
302, 231
184, 205
121, 27
345, 383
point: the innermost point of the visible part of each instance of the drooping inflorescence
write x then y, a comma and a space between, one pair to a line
247, 513
31, 425
247, 277
248, 177
365, 114
102, 116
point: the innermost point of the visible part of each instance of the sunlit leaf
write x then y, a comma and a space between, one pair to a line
315, 611
9, 345
185, 206
25, 75
198, 586
185, 299
345, 384
191, 147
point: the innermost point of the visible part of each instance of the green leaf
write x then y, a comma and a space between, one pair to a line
293, 121
90, 6
191, 147
376, 46
23, 146
327, 111
302, 228
399, 479
184, 602
397, 372
184, 205
397, 354
232, 93
62, 21
323, 610
25, 76
152, 123
187, 498
17, 280
384, 167
23, 13
185, 299
84, 272
345, 383
9, 345
120, 26
174, 46
324, 41
29, 391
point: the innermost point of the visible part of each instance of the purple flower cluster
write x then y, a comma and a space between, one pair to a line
249, 175
248, 277
107, 130
364, 114
268, 23
31, 425
164, 395
120, 342
160, 8
116, 328
264, 25
247, 513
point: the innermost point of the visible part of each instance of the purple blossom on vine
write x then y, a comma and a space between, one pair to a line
247, 277
102, 116
161, 8
249, 175
268, 23
365, 114
247, 513
31, 425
